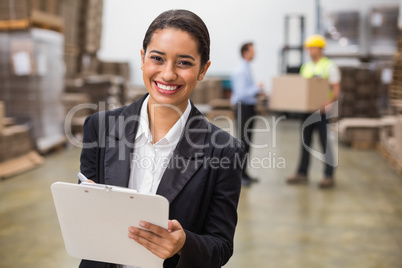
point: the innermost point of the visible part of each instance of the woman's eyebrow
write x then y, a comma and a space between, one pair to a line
186, 57
158, 52
180, 56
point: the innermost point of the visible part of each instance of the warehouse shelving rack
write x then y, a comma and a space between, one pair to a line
285, 67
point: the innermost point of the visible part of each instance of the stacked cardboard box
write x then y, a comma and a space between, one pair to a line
14, 10
20, 14
386, 130
391, 140
91, 33
16, 148
199, 95
359, 132
220, 108
105, 88
72, 53
73, 104
14, 140
22, 9
136, 92
75, 111
2, 116
116, 68
209, 89
383, 30
96, 93
395, 90
32, 82
83, 27
360, 88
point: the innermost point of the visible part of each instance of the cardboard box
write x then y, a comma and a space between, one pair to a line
298, 94
72, 100
20, 164
220, 104
398, 138
220, 114
387, 125
352, 130
199, 95
1, 117
14, 142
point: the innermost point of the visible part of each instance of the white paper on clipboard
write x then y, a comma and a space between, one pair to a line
94, 221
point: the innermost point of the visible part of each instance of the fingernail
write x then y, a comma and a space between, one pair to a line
142, 224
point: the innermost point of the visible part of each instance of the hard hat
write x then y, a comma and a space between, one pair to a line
315, 41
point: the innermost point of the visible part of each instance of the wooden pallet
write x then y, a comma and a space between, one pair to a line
9, 25
397, 165
20, 164
363, 145
37, 19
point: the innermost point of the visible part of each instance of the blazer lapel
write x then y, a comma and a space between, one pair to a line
119, 144
187, 158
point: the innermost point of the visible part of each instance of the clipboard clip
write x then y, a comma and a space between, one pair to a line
107, 188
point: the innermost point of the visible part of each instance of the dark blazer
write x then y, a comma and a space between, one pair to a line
202, 181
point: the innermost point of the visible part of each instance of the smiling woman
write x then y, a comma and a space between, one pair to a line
171, 66
164, 124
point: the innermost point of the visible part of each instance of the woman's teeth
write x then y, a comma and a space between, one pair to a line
164, 87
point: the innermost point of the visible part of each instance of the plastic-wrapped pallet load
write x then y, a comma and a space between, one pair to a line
32, 72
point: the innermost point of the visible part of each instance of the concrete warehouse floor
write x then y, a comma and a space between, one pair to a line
357, 224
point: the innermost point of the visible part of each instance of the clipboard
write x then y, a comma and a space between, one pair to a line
94, 220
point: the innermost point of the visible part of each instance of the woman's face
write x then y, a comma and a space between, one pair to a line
171, 67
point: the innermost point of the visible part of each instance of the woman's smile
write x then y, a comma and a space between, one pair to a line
167, 88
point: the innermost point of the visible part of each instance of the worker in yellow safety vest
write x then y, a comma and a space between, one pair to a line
325, 68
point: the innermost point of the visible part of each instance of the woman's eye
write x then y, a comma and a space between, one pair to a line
157, 58
185, 63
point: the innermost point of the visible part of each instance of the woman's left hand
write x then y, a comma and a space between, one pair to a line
161, 242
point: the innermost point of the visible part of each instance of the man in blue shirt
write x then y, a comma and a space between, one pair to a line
244, 97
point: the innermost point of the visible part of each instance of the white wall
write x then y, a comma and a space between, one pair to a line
230, 24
